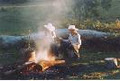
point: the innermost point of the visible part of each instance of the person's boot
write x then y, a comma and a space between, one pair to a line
78, 55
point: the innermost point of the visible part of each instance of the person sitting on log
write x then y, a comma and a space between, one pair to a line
73, 43
50, 32
50, 37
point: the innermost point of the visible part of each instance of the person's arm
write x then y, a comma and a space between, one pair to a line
69, 38
53, 34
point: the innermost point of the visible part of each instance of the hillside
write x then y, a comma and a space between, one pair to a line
31, 15
114, 11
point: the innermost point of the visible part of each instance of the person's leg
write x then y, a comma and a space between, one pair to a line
76, 52
64, 47
54, 49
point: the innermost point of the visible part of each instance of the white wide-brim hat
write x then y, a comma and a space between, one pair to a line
50, 27
72, 27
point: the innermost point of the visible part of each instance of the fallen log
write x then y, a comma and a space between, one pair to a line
7, 41
111, 63
101, 41
118, 59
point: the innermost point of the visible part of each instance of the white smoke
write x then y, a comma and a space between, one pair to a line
55, 12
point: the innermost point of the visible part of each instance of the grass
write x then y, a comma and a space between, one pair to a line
19, 20
113, 12
88, 58
16, 20
8, 56
92, 57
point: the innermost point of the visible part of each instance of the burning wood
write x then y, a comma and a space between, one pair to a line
46, 64
38, 61
30, 56
31, 67
34, 63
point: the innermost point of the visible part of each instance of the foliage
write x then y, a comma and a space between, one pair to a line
13, 1
113, 26
89, 8
106, 4
85, 14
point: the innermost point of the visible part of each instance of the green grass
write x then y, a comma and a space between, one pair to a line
92, 57
113, 12
18, 20
8, 56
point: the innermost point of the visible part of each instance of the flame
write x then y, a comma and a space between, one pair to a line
48, 60
32, 57
46, 64
44, 58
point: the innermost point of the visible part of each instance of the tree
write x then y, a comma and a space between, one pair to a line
89, 8
78, 9
106, 4
13, 1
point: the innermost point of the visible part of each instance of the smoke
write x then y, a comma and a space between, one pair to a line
44, 48
60, 10
45, 11
53, 11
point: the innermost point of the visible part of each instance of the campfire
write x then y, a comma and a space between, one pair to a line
36, 62
46, 64
41, 61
